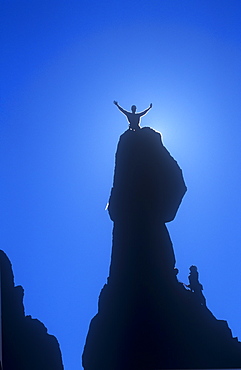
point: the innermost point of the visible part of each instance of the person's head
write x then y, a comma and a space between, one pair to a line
193, 268
133, 109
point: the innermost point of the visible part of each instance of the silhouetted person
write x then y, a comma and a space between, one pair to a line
195, 286
133, 117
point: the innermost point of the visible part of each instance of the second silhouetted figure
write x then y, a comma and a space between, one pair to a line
133, 117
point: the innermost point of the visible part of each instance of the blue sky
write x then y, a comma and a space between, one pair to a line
63, 63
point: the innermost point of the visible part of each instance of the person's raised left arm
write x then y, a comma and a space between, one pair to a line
145, 111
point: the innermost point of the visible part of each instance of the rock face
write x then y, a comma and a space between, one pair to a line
26, 345
146, 319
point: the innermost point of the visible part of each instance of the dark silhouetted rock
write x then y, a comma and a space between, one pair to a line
147, 179
26, 345
146, 319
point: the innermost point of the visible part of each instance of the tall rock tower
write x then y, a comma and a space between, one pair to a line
146, 319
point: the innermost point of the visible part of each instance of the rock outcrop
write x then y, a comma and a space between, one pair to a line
146, 318
26, 345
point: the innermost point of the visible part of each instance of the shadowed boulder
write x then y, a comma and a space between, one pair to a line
147, 179
26, 345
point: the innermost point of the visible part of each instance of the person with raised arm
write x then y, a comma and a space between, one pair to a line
133, 117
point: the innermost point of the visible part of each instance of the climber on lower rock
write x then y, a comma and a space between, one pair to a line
195, 286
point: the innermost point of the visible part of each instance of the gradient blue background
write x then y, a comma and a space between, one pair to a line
62, 65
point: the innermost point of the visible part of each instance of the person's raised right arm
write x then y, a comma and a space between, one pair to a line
120, 108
